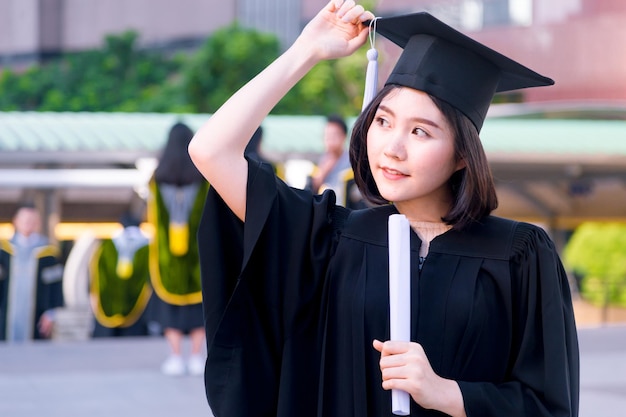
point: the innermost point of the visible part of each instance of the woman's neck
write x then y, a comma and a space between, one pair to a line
424, 210
427, 231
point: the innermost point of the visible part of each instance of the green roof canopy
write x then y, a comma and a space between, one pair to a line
94, 137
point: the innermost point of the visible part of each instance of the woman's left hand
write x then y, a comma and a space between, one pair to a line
404, 366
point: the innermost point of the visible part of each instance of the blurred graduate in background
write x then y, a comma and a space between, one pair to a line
120, 282
31, 278
177, 196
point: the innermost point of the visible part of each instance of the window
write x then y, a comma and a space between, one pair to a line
281, 17
480, 14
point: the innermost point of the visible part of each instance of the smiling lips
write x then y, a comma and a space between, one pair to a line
392, 174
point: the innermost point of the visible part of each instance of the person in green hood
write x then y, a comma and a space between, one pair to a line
120, 288
177, 196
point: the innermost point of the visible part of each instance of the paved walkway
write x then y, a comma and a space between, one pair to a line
603, 371
121, 378
95, 378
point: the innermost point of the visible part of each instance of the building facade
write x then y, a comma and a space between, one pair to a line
32, 31
579, 43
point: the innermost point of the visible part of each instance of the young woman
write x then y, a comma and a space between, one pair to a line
174, 209
295, 288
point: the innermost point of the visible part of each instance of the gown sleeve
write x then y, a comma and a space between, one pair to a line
543, 376
261, 285
50, 285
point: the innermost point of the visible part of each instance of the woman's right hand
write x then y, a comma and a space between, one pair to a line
218, 146
336, 31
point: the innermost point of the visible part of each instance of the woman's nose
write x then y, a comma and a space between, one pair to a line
395, 148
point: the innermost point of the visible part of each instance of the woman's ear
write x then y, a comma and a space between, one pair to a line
460, 164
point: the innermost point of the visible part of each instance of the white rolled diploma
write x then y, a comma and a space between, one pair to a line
400, 296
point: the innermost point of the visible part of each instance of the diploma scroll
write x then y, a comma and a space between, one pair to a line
400, 296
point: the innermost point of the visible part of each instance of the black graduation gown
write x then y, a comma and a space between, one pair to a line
294, 299
48, 288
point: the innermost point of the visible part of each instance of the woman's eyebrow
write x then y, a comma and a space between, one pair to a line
414, 119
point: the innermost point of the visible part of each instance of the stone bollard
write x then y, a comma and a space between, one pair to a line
75, 321
73, 324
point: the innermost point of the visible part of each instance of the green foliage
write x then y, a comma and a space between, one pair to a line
234, 55
330, 87
121, 77
114, 78
229, 58
597, 253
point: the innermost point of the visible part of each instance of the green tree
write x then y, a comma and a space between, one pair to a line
121, 77
116, 77
596, 252
227, 60
330, 87
234, 55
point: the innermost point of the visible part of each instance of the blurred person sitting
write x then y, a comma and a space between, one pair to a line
30, 280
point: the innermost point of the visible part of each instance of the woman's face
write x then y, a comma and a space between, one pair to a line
410, 146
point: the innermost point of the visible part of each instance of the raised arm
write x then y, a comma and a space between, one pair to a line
218, 146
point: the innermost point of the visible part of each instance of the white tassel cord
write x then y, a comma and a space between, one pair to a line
371, 75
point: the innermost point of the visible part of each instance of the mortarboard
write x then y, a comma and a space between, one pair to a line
453, 67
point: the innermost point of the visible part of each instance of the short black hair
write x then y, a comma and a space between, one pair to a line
175, 165
128, 219
338, 120
25, 205
472, 187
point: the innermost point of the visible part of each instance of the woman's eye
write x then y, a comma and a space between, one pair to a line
419, 131
381, 121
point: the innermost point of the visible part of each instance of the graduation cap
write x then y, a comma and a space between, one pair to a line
449, 65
